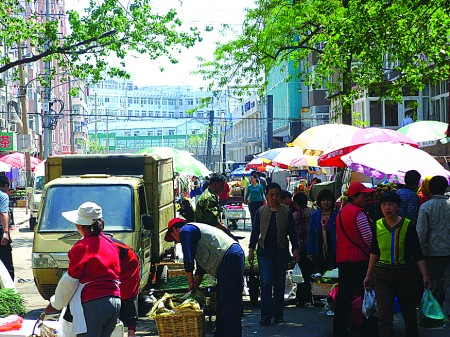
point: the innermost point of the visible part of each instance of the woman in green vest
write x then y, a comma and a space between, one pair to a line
394, 258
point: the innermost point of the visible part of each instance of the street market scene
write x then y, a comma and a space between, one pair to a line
200, 168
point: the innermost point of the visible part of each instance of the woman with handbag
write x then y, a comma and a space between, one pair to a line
394, 257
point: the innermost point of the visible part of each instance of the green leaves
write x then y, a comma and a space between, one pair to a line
357, 43
108, 28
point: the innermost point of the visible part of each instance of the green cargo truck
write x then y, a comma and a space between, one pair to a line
136, 194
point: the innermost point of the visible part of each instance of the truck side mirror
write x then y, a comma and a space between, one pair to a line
147, 220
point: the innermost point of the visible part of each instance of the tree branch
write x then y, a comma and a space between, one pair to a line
59, 50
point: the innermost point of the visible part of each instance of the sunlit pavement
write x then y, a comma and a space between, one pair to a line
306, 321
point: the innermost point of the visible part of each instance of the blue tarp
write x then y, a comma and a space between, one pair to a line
240, 171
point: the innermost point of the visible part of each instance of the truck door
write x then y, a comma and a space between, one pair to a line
145, 237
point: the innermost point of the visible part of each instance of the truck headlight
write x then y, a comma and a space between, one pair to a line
43, 260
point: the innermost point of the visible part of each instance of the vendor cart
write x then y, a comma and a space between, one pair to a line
234, 213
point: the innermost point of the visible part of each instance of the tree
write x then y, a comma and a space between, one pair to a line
106, 29
356, 44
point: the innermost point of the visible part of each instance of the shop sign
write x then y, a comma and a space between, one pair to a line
7, 141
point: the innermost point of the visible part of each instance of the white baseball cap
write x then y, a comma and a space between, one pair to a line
85, 214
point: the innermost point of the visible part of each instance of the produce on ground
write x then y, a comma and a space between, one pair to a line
169, 304
181, 282
11, 303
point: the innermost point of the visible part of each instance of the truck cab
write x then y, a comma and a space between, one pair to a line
136, 209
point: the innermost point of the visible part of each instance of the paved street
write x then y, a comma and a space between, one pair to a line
309, 321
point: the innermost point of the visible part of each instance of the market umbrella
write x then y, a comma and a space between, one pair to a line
391, 161
183, 161
425, 133
17, 160
361, 137
269, 155
290, 157
319, 139
255, 163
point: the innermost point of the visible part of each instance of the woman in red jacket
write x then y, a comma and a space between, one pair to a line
91, 285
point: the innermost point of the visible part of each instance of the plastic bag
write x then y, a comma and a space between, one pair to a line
290, 290
369, 305
297, 276
430, 312
12, 322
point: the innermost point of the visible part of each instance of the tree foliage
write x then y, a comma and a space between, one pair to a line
106, 29
354, 45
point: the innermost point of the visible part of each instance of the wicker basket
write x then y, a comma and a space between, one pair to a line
182, 324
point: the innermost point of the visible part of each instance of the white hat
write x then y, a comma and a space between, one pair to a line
84, 214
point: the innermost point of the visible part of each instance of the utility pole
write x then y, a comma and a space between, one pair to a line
23, 98
46, 111
210, 134
71, 131
96, 118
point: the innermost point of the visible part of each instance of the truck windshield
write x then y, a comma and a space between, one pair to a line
116, 202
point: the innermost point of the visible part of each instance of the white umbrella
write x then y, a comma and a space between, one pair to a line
392, 160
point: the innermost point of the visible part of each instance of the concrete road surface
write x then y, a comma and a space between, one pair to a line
308, 321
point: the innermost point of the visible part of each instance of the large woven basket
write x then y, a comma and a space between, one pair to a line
181, 324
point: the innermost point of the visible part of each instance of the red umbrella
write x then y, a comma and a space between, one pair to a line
360, 138
17, 160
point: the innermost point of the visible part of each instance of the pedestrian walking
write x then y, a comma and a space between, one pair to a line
433, 228
208, 249
393, 264
353, 242
91, 285
272, 231
254, 197
5, 244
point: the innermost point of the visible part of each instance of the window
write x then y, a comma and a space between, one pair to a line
390, 114
159, 132
127, 133
190, 101
118, 214
171, 114
150, 133
171, 132
136, 133
375, 113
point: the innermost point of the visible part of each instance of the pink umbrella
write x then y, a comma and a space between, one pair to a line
361, 137
289, 157
17, 160
391, 161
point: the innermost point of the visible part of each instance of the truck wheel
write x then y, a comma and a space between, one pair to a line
32, 223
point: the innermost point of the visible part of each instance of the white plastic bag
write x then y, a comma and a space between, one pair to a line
369, 305
297, 276
290, 289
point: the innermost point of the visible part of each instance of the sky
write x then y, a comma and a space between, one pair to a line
199, 13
